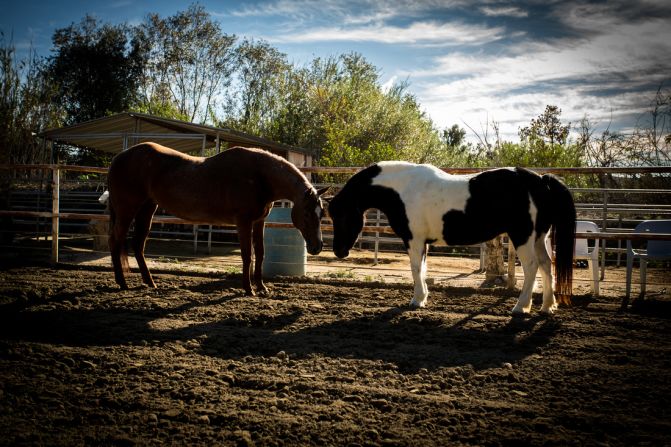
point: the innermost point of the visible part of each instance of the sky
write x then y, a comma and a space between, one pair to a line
468, 62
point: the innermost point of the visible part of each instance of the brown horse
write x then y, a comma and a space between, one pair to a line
237, 186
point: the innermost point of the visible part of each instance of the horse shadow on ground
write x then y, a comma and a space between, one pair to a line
409, 344
397, 335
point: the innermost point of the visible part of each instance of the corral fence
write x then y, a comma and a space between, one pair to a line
55, 203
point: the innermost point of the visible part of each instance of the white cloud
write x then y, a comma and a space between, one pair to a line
514, 88
504, 11
347, 11
418, 33
389, 84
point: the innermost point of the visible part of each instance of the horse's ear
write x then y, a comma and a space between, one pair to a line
323, 190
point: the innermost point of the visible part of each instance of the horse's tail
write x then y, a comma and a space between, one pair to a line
114, 243
563, 217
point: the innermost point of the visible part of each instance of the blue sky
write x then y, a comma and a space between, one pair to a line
467, 62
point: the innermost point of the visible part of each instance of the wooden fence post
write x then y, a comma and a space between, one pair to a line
55, 206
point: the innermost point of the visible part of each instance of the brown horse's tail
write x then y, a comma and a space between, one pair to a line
115, 244
563, 235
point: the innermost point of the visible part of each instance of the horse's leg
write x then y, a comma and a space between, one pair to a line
245, 236
527, 256
120, 223
259, 250
545, 264
142, 226
417, 252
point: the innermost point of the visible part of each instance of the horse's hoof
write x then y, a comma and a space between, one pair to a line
264, 292
549, 310
249, 293
519, 312
417, 304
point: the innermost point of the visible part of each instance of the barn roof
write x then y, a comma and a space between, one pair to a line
117, 132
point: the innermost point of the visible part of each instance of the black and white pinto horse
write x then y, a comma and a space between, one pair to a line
425, 206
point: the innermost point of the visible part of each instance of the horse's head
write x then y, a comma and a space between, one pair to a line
306, 215
347, 223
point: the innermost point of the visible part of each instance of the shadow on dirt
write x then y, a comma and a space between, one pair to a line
397, 335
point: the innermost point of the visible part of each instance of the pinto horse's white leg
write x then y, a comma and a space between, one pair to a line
527, 256
417, 252
545, 264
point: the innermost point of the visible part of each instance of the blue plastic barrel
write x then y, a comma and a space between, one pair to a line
285, 253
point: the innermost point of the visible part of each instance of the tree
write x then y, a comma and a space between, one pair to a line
543, 143
190, 61
454, 137
25, 107
96, 69
547, 128
359, 121
257, 92
651, 141
648, 145
335, 106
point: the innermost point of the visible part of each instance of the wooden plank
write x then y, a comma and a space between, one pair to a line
565, 171
354, 169
325, 227
55, 200
74, 168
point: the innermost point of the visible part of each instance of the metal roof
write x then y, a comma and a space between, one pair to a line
116, 132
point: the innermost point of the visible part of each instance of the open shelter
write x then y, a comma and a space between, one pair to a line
115, 133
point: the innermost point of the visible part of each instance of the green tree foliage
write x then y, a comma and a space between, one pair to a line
456, 151
454, 137
96, 68
544, 143
189, 62
25, 106
547, 128
256, 96
335, 106
185, 67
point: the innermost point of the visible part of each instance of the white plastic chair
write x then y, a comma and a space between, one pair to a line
657, 250
583, 250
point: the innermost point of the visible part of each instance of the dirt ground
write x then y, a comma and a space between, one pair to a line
322, 361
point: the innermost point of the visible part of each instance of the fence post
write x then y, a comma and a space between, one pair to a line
209, 240
604, 226
377, 236
55, 206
